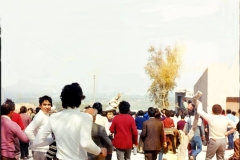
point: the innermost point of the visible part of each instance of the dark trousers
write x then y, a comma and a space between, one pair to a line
5, 158
24, 149
108, 157
123, 154
151, 155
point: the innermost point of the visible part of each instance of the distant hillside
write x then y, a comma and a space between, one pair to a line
28, 92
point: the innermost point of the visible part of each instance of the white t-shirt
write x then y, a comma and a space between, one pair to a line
218, 124
72, 130
33, 128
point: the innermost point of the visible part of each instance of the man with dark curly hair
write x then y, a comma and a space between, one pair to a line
125, 132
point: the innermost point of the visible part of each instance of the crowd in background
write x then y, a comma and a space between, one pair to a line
94, 133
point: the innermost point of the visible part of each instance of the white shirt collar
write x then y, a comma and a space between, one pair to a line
72, 109
6, 117
43, 112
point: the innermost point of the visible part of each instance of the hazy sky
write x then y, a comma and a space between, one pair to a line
54, 43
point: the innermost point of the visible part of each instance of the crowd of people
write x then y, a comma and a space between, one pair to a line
94, 134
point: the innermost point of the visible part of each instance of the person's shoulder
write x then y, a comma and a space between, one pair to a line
16, 115
13, 125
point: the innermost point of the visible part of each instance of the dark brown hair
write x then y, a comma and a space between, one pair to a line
216, 109
23, 109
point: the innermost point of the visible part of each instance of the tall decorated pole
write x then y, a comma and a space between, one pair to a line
185, 138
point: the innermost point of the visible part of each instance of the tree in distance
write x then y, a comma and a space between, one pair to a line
163, 67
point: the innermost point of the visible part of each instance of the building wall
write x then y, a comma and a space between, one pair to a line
202, 85
217, 83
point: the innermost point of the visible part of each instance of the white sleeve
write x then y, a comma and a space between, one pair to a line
36, 123
42, 138
231, 123
106, 126
200, 111
86, 138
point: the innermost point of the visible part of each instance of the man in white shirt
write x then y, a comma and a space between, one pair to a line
71, 128
218, 125
101, 120
41, 118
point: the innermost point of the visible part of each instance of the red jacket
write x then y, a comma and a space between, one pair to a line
17, 118
125, 131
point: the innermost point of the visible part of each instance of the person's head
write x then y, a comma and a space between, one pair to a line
37, 109
177, 114
109, 115
98, 107
184, 99
167, 113
234, 113
92, 112
157, 113
124, 107
30, 111
182, 116
216, 109
223, 112
140, 113
7, 108
191, 106
191, 112
172, 113
164, 111
151, 112
45, 103
23, 109
229, 111
189, 101
72, 95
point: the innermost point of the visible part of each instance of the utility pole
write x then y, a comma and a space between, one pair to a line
94, 77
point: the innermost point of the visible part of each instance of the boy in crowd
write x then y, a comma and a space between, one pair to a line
41, 118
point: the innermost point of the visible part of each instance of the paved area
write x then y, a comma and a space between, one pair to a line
169, 156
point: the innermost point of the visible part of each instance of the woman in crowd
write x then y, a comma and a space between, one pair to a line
30, 112
26, 119
139, 121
